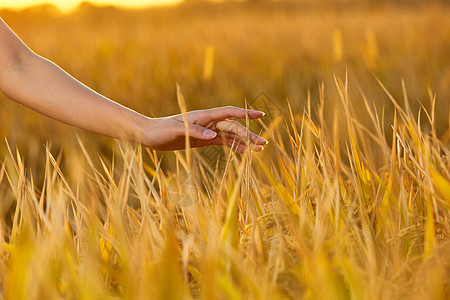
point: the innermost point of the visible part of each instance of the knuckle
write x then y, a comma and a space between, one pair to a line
197, 129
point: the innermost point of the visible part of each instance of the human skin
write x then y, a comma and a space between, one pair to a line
41, 85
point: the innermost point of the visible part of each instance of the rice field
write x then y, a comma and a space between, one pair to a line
350, 199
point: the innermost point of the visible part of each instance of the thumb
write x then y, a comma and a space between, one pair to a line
201, 133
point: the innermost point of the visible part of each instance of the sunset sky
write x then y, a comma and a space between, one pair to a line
66, 5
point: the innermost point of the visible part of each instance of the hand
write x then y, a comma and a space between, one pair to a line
206, 127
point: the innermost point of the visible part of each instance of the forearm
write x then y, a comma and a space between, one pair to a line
42, 86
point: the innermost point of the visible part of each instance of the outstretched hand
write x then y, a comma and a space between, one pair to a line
206, 127
41, 85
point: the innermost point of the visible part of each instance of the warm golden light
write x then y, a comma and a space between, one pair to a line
66, 5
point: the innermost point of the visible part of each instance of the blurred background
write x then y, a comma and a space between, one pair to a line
229, 52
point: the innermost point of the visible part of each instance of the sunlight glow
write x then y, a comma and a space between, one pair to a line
67, 5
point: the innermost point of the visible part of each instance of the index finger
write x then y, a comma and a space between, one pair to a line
232, 112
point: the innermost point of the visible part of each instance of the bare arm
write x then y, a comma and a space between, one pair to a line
42, 86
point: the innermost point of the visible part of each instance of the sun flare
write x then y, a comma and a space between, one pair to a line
67, 5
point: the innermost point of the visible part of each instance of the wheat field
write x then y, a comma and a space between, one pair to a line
350, 199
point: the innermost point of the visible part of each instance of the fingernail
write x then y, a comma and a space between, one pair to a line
264, 140
257, 148
261, 113
209, 133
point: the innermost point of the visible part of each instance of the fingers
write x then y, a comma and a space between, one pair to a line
236, 145
234, 129
198, 132
232, 133
231, 130
231, 112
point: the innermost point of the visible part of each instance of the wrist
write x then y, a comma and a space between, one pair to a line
140, 129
